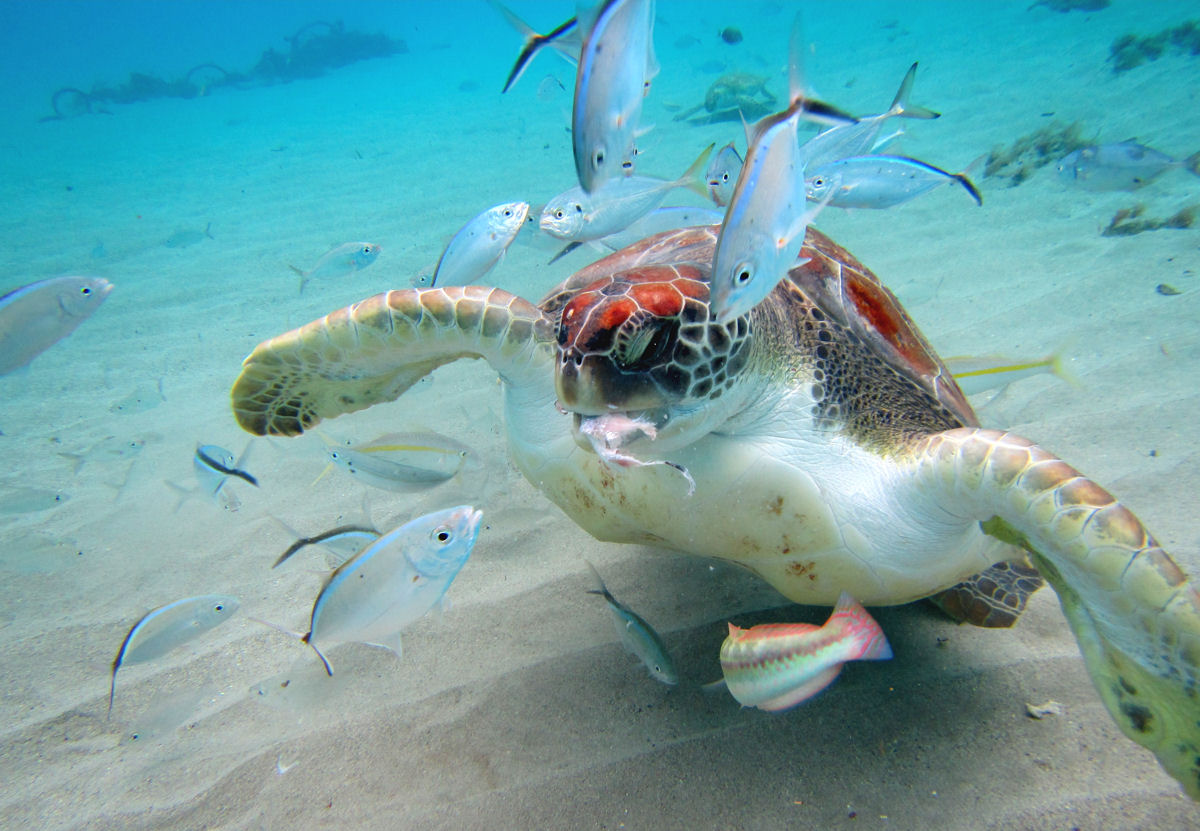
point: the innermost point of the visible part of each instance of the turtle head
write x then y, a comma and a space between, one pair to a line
642, 343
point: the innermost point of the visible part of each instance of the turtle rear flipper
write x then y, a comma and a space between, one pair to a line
374, 350
1134, 612
994, 598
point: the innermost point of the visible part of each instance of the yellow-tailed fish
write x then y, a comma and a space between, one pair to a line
168, 627
392, 582
344, 540
340, 261
637, 635
564, 39
975, 374
768, 214
35, 317
879, 181
404, 461
616, 63
479, 245
778, 665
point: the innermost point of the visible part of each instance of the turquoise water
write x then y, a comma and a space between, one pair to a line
517, 707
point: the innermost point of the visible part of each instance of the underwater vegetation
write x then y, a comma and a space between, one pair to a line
1129, 221
315, 49
1018, 161
1129, 51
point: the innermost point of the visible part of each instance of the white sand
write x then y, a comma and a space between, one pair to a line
518, 709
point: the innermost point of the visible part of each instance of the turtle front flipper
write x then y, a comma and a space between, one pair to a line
373, 350
1134, 612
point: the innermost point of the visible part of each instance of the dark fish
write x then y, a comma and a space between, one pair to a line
731, 35
216, 459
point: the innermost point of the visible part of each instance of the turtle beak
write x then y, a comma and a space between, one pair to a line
592, 385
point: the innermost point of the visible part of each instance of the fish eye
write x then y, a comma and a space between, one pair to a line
725, 177
558, 214
818, 182
598, 158
85, 291
508, 213
442, 535
744, 275
220, 607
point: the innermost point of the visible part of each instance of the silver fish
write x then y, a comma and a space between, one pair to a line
1126, 166
35, 317
978, 373
171, 626
764, 226
579, 216
563, 39
659, 220
184, 238
405, 461
340, 261
616, 63
392, 582
722, 174
480, 245
862, 138
346, 540
637, 635
879, 181
213, 465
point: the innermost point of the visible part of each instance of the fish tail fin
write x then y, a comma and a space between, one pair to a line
695, 178
809, 108
322, 474
872, 644
112, 690
328, 667
714, 686
602, 589
1192, 163
962, 179
533, 42
1057, 361
77, 460
208, 231
900, 104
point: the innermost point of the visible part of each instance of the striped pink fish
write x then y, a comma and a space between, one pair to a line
775, 666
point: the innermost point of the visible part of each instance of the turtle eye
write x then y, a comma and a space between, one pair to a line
647, 345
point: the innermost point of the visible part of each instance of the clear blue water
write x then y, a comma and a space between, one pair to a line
517, 708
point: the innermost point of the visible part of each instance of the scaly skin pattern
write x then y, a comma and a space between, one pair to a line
372, 351
1134, 612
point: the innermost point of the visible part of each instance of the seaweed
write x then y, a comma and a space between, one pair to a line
1129, 221
1018, 161
1131, 50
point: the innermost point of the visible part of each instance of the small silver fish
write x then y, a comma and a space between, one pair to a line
392, 582
1125, 166
722, 174
879, 181
213, 465
35, 317
184, 238
168, 627
345, 540
580, 217
764, 226
638, 636
405, 462
480, 245
616, 63
659, 220
777, 666
564, 39
340, 261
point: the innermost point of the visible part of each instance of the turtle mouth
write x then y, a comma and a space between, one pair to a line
615, 431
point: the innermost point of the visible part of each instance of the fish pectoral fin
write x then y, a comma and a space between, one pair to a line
714, 686
390, 644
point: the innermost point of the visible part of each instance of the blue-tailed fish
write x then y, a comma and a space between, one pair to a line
862, 138
344, 540
580, 217
616, 63
404, 461
1125, 165
35, 317
975, 374
637, 635
879, 181
168, 627
479, 245
340, 261
778, 665
563, 39
722, 174
659, 220
392, 582
768, 212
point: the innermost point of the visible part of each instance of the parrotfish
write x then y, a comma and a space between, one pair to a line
170, 626
344, 540
1126, 165
616, 63
580, 217
340, 261
775, 666
392, 582
480, 245
638, 636
405, 461
564, 39
722, 174
879, 181
35, 317
764, 226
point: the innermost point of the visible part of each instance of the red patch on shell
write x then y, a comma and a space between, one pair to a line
593, 315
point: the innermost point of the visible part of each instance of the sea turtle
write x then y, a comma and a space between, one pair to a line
736, 96
818, 441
